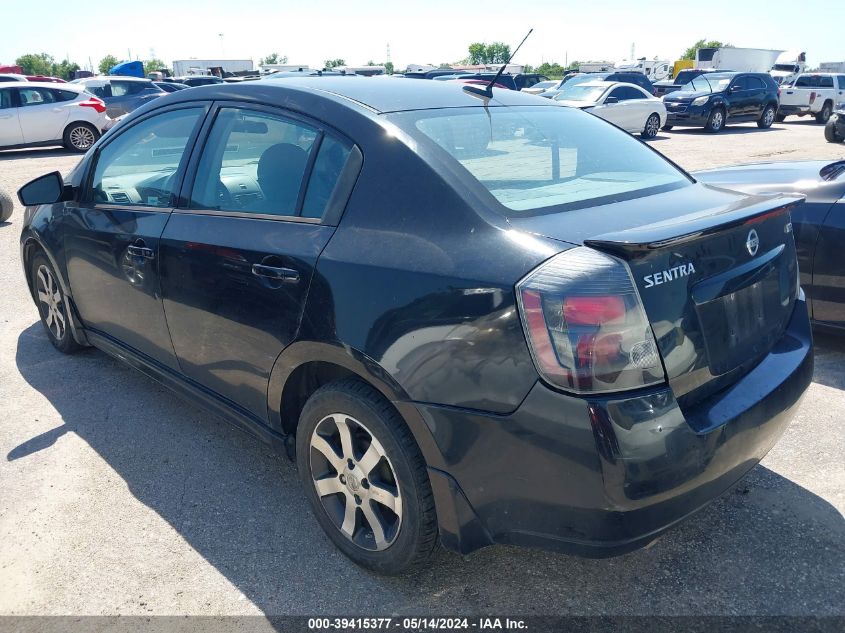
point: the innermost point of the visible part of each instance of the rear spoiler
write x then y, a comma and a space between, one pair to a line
641, 239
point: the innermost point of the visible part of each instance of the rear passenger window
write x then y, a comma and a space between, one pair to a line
139, 167
5, 99
64, 95
826, 82
36, 96
253, 162
841, 80
331, 159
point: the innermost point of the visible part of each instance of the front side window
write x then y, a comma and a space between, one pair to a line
841, 80
5, 99
253, 162
140, 166
532, 158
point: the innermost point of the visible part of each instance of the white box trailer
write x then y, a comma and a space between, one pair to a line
654, 69
183, 67
832, 67
746, 60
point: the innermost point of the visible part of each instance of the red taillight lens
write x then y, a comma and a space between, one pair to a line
586, 326
94, 102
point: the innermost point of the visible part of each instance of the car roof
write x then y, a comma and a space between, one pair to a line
376, 96
112, 78
43, 84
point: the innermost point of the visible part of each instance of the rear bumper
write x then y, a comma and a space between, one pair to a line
601, 477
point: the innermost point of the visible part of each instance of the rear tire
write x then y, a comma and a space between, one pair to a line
767, 118
831, 133
826, 111
716, 121
80, 136
652, 126
373, 499
6, 206
52, 304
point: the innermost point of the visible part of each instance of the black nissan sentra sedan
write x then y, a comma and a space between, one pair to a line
471, 320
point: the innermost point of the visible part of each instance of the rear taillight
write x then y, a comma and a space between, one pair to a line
812, 97
586, 326
94, 102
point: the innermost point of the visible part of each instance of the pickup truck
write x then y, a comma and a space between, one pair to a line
817, 94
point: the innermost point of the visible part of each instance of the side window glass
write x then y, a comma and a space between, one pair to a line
633, 93
826, 82
841, 80
36, 96
253, 162
740, 83
331, 159
5, 99
139, 167
103, 92
63, 95
619, 93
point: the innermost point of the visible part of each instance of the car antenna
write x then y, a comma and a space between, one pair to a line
487, 91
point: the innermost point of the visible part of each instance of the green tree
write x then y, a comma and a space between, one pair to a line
482, 53
155, 65
703, 43
388, 68
273, 58
36, 63
107, 63
552, 70
65, 69
334, 63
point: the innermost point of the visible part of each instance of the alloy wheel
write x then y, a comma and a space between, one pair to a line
652, 126
50, 298
717, 120
355, 481
769, 117
81, 137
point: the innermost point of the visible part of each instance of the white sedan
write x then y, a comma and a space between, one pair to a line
36, 114
626, 105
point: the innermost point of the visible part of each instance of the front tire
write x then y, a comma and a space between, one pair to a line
365, 478
831, 132
824, 115
80, 136
780, 118
716, 121
6, 206
652, 126
767, 118
52, 304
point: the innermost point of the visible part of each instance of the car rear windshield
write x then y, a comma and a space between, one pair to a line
531, 159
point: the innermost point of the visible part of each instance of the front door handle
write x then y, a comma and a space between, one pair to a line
141, 251
286, 275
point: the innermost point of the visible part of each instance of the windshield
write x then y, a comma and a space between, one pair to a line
580, 93
531, 158
703, 83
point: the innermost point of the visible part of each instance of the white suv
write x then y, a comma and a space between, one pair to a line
40, 114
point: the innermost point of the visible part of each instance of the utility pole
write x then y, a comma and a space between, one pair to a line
222, 50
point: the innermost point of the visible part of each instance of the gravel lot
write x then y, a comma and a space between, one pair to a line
116, 497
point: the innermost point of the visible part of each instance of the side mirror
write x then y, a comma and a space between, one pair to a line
735, 88
610, 100
47, 189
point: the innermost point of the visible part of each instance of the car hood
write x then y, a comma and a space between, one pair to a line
682, 95
772, 177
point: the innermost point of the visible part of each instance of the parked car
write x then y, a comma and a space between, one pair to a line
542, 86
45, 79
586, 387
434, 73
818, 225
121, 94
36, 114
816, 94
625, 105
170, 86
7, 77
198, 80
662, 88
834, 129
574, 79
714, 100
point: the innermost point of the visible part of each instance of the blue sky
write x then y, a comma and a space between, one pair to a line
427, 32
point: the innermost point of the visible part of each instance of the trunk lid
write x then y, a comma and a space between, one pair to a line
718, 282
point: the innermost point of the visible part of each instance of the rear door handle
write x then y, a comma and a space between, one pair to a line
141, 251
287, 275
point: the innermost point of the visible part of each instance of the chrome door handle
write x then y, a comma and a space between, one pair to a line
286, 275
141, 251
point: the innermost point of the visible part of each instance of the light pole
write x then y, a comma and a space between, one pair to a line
222, 51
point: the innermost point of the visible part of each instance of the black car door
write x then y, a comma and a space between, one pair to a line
738, 97
756, 97
829, 269
112, 235
237, 261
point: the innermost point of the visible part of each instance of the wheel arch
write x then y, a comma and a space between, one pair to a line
305, 366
